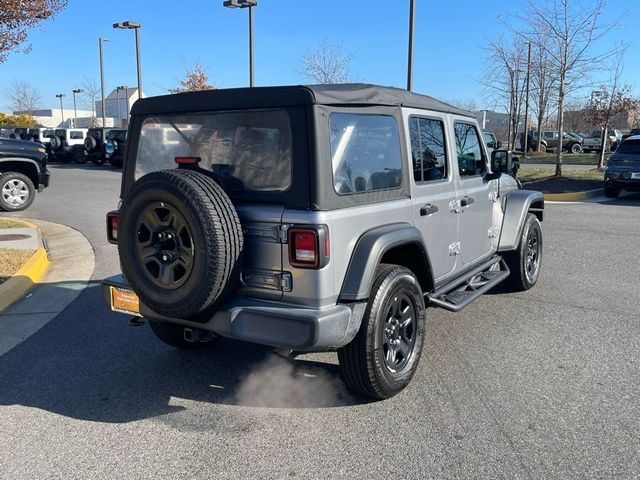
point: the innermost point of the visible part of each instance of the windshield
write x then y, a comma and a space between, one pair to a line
248, 150
629, 147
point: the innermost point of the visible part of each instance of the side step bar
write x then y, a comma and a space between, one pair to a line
462, 291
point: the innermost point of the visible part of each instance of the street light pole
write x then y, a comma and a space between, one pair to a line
75, 110
118, 105
131, 25
246, 4
60, 96
100, 42
412, 5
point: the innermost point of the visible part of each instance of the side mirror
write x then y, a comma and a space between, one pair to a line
498, 144
501, 161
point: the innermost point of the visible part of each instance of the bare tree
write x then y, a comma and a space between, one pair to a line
544, 80
573, 29
89, 97
610, 99
196, 79
505, 78
17, 16
329, 63
23, 97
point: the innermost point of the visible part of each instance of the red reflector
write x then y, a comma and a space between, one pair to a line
326, 246
187, 160
113, 222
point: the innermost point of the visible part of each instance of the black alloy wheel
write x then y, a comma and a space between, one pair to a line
164, 245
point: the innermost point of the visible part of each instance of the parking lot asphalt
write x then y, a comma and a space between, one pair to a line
541, 384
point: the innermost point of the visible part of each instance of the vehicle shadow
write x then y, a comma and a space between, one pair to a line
631, 199
89, 364
81, 166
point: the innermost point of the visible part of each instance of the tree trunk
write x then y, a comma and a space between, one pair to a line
603, 145
560, 124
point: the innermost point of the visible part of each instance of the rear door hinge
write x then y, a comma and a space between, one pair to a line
283, 230
454, 249
286, 281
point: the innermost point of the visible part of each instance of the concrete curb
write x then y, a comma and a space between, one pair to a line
27, 276
568, 197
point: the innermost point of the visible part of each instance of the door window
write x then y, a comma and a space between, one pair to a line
428, 149
471, 160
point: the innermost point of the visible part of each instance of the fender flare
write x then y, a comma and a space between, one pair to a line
517, 204
368, 253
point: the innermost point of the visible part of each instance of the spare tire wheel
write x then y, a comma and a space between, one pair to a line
90, 143
180, 243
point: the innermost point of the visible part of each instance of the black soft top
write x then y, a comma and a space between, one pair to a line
357, 94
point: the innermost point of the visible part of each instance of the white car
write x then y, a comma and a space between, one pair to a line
67, 144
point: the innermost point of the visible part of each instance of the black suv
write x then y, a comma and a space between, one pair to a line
96, 143
23, 168
115, 147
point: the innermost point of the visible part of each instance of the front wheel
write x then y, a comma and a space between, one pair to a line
381, 360
576, 148
543, 148
524, 263
16, 191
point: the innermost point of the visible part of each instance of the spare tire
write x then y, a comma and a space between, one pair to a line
180, 243
55, 142
90, 143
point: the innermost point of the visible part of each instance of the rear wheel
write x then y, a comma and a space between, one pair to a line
524, 263
383, 357
16, 191
543, 148
611, 192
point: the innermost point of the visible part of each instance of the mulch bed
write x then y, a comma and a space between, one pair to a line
562, 185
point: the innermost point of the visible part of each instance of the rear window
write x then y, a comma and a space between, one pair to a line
97, 134
248, 150
629, 147
365, 153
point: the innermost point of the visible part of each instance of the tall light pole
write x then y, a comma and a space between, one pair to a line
75, 110
118, 106
126, 96
412, 6
61, 96
128, 25
246, 4
100, 42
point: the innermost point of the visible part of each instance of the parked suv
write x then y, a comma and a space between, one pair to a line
315, 218
623, 168
23, 170
67, 144
96, 143
116, 147
551, 140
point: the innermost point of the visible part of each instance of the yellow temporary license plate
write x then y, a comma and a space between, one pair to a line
124, 301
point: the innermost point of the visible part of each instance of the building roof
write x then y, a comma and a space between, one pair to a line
114, 95
269, 97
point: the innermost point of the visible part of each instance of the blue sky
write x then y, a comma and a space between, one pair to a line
448, 55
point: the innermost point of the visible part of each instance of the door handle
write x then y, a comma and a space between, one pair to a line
466, 201
428, 209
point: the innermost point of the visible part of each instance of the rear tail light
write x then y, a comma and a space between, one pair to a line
113, 222
308, 246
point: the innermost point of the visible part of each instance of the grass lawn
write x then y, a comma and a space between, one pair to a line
11, 260
9, 223
526, 175
567, 158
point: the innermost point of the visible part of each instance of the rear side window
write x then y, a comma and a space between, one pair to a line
427, 149
365, 153
75, 135
469, 151
246, 150
631, 147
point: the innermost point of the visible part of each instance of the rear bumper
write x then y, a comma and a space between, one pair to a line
269, 323
629, 185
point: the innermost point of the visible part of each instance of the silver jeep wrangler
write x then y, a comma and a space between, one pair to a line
315, 218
